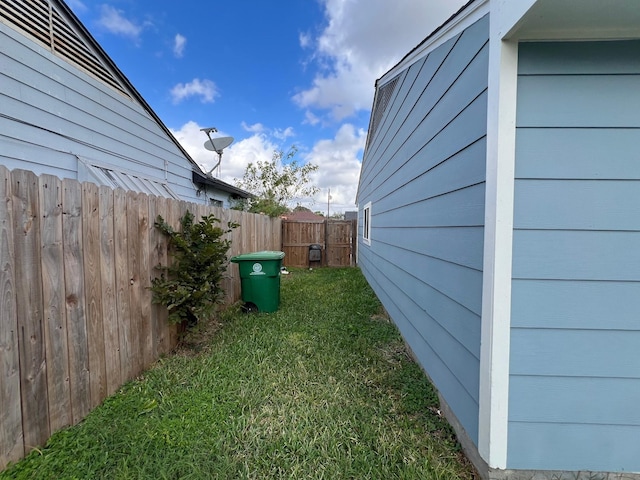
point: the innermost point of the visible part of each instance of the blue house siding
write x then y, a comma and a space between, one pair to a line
53, 112
574, 369
424, 174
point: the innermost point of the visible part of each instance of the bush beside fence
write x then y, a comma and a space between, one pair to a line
76, 318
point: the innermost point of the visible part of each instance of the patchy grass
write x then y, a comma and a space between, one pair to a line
321, 389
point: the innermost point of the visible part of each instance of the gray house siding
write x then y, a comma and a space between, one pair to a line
424, 174
574, 390
53, 113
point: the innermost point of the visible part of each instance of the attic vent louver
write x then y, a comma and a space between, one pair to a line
40, 20
382, 101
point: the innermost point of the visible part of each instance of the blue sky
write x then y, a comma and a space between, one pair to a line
272, 74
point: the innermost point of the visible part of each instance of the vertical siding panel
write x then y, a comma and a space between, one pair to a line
11, 434
53, 291
33, 370
75, 300
93, 292
108, 282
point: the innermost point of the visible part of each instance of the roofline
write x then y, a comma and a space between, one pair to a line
453, 25
138, 97
203, 179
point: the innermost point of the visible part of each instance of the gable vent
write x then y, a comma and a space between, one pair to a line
382, 101
41, 21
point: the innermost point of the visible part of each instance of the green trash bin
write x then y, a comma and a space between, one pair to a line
260, 279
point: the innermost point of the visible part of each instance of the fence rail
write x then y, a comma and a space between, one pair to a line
76, 318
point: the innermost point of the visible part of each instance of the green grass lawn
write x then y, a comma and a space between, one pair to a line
321, 389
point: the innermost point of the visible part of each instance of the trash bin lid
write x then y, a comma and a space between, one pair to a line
257, 256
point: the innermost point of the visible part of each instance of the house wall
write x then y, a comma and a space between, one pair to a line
52, 112
424, 174
575, 368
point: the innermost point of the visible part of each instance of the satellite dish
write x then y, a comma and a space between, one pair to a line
218, 144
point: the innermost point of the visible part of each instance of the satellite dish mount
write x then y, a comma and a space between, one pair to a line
216, 145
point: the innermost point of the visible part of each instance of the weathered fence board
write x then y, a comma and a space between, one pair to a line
108, 281
93, 288
11, 436
33, 375
75, 299
55, 325
76, 318
122, 282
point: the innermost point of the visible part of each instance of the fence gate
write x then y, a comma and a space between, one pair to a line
338, 239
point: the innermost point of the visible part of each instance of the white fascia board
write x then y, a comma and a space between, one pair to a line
507, 15
458, 24
498, 241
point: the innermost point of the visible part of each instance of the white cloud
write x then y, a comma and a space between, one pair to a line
356, 48
337, 159
310, 118
115, 22
255, 128
305, 40
77, 5
339, 168
205, 89
179, 44
235, 158
281, 134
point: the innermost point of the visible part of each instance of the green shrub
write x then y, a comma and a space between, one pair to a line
190, 286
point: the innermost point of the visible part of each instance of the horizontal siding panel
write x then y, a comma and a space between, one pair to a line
123, 127
574, 58
577, 204
34, 144
462, 245
37, 59
459, 361
461, 324
127, 136
579, 101
611, 448
444, 78
462, 141
464, 406
576, 255
13, 160
456, 121
462, 208
589, 153
574, 400
463, 285
575, 305
461, 170
412, 84
578, 353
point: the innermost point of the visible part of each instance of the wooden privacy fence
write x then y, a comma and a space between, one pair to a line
76, 318
338, 239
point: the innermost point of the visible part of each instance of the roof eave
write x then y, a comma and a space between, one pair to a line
122, 77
